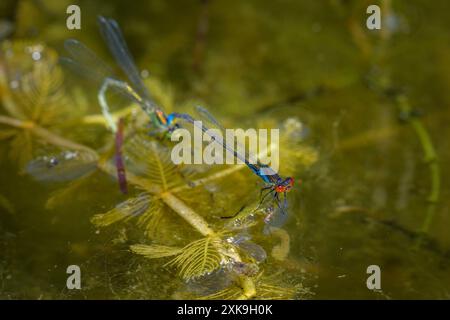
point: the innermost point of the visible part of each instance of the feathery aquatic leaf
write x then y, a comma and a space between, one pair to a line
21, 148
65, 194
198, 258
132, 207
144, 207
152, 161
37, 94
155, 251
32, 93
151, 219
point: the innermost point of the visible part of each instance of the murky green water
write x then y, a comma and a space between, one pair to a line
363, 202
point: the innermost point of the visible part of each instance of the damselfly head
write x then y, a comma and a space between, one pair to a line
285, 185
290, 182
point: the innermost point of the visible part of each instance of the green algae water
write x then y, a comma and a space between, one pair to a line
363, 118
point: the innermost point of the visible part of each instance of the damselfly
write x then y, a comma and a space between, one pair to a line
83, 61
275, 184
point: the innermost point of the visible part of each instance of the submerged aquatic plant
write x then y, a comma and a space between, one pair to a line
380, 79
159, 180
224, 285
149, 163
195, 259
32, 97
158, 188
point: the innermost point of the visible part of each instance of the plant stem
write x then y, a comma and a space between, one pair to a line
248, 288
43, 134
430, 158
187, 214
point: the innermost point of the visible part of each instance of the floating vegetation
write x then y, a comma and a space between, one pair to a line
198, 258
32, 97
155, 251
142, 206
264, 289
155, 182
88, 178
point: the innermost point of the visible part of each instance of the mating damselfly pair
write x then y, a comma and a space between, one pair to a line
86, 63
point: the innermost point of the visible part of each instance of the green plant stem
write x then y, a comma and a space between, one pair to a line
187, 214
248, 288
430, 158
43, 134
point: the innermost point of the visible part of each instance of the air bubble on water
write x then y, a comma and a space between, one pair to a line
145, 73
295, 128
53, 161
293, 124
36, 55
68, 155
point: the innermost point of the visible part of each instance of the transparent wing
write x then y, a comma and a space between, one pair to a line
243, 241
217, 137
206, 115
84, 62
65, 166
253, 250
239, 151
211, 283
87, 64
277, 220
114, 39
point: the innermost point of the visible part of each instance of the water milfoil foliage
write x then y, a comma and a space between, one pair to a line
178, 208
33, 98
